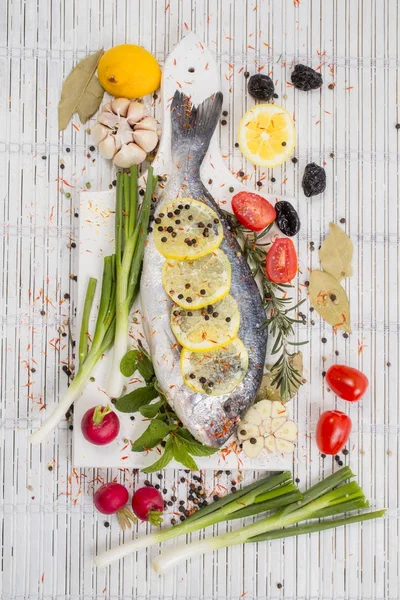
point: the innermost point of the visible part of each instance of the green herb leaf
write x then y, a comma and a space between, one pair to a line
156, 431
336, 253
129, 363
192, 445
145, 367
330, 300
164, 459
182, 456
131, 402
150, 410
81, 91
293, 375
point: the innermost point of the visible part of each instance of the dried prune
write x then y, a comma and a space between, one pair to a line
305, 78
261, 87
314, 180
287, 218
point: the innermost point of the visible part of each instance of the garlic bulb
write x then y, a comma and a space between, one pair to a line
124, 132
266, 425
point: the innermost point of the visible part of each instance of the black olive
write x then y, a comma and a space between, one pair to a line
305, 78
314, 180
261, 87
287, 218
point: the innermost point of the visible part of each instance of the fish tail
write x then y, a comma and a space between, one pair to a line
193, 127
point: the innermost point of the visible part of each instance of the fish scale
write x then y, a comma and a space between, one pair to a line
211, 419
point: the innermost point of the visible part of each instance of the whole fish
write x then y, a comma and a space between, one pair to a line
211, 419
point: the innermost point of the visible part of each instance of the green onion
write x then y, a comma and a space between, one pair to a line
129, 240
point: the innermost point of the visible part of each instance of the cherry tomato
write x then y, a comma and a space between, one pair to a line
281, 263
346, 382
253, 211
333, 431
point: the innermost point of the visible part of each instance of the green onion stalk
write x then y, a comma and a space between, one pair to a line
130, 237
266, 493
105, 328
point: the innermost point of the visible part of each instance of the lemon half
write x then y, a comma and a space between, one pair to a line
208, 328
215, 372
196, 283
267, 136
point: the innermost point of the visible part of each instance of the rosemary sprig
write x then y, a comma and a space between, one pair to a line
277, 304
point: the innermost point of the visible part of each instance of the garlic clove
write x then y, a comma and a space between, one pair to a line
287, 431
284, 447
136, 112
99, 132
125, 133
265, 427
107, 147
247, 430
278, 410
149, 123
107, 107
130, 154
264, 408
147, 140
276, 423
109, 119
120, 106
269, 444
253, 416
253, 446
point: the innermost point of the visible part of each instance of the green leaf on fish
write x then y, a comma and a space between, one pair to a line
133, 401
154, 434
181, 454
145, 367
192, 445
129, 363
149, 411
164, 459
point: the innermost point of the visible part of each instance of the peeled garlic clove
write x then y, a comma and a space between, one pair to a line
253, 446
265, 427
269, 444
253, 416
136, 112
276, 423
149, 123
107, 147
278, 410
120, 106
284, 446
287, 431
99, 132
264, 408
109, 119
130, 154
247, 430
147, 140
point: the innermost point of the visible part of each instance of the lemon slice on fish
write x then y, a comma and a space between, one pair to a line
215, 372
267, 136
196, 283
208, 328
186, 228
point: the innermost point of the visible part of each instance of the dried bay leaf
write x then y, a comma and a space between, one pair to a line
330, 300
272, 392
336, 253
81, 91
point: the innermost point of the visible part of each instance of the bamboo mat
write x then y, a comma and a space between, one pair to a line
49, 530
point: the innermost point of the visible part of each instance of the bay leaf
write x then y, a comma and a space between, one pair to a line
330, 300
81, 91
336, 253
268, 391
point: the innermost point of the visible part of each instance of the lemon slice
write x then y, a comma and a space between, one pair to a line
266, 135
186, 228
215, 372
196, 283
209, 328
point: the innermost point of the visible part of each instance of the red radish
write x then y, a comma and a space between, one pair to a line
100, 425
111, 498
148, 505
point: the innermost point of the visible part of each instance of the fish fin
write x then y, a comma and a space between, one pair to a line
193, 126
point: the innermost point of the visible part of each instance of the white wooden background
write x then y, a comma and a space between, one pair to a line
49, 530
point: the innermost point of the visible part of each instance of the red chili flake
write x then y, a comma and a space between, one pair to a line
349, 88
124, 457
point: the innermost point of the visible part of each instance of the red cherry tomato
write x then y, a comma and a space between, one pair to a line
253, 211
281, 263
346, 382
333, 431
